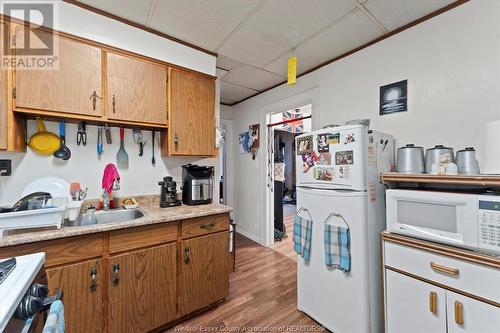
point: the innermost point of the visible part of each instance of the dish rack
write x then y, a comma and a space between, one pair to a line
51, 216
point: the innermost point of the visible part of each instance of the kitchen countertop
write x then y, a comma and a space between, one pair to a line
152, 215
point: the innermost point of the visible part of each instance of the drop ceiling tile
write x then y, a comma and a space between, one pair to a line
201, 22
280, 25
253, 77
396, 13
348, 34
136, 11
234, 92
220, 73
226, 63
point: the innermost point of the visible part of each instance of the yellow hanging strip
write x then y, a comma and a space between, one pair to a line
292, 69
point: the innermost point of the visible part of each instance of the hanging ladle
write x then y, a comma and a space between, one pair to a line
63, 152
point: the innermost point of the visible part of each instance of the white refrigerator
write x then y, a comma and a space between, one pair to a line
338, 172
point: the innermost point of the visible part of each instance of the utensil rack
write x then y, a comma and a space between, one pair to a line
446, 182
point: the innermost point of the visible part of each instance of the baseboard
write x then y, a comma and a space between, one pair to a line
248, 235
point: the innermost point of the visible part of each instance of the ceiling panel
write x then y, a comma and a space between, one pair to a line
201, 22
226, 101
220, 73
396, 13
234, 92
136, 10
278, 26
252, 77
353, 31
226, 63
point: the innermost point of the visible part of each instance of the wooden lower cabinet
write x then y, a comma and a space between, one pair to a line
204, 272
142, 289
82, 285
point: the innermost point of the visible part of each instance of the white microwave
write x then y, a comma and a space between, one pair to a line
466, 220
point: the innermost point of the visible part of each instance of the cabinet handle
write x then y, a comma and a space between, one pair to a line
114, 104
459, 313
444, 269
93, 279
116, 274
94, 98
207, 226
433, 302
176, 139
187, 254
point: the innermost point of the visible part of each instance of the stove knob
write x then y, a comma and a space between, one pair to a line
28, 307
39, 290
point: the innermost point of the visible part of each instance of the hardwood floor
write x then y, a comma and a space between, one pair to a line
285, 246
262, 296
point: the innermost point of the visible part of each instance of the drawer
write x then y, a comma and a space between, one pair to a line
475, 279
204, 225
134, 238
60, 251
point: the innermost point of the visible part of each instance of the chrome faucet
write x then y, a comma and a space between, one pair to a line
106, 197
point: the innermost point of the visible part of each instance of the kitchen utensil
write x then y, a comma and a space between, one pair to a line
433, 155
410, 159
63, 152
121, 155
27, 202
153, 161
467, 162
81, 135
99, 140
107, 130
138, 139
43, 142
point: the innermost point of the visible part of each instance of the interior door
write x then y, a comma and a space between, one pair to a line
192, 115
204, 271
67, 88
467, 315
82, 285
137, 90
142, 289
413, 306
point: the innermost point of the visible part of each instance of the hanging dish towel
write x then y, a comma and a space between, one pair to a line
302, 233
337, 244
55, 319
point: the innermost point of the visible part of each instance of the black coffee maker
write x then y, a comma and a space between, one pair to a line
168, 197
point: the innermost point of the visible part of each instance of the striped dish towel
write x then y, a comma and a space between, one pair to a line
302, 233
337, 247
55, 319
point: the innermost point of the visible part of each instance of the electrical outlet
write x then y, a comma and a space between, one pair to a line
5, 167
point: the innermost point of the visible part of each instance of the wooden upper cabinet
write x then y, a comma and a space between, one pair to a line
82, 285
142, 289
3, 94
204, 273
136, 90
68, 88
192, 114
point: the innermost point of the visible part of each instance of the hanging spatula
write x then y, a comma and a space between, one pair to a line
121, 155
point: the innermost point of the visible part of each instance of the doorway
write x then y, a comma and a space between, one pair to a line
283, 127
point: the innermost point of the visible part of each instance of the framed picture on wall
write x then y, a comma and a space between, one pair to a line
394, 98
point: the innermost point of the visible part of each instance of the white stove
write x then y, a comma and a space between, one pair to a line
23, 288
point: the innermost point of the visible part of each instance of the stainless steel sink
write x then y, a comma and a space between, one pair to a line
108, 216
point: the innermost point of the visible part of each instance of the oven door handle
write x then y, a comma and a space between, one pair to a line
47, 301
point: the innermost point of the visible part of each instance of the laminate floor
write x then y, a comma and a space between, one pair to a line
285, 246
262, 296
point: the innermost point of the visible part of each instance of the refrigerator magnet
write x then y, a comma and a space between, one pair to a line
344, 157
349, 138
325, 159
344, 172
305, 145
322, 143
323, 173
333, 138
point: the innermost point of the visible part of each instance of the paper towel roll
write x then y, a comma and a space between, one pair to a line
491, 152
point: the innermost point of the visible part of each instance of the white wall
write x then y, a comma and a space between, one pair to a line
452, 63
80, 22
85, 167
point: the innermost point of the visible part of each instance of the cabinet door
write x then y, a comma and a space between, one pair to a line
142, 289
204, 270
66, 89
466, 315
3, 94
137, 90
82, 285
413, 306
192, 125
